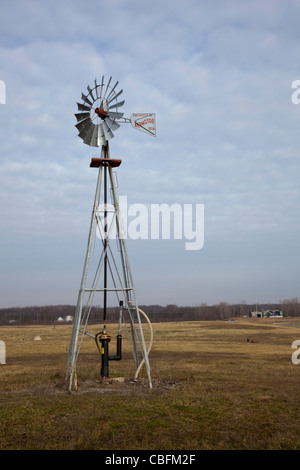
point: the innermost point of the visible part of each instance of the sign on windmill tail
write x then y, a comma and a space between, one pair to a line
144, 122
99, 115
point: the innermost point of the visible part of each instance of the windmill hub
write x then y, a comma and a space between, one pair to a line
101, 113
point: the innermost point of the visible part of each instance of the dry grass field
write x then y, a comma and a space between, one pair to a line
216, 385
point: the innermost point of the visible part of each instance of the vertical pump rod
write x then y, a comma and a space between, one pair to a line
105, 240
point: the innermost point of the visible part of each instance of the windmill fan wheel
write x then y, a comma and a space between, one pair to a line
98, 113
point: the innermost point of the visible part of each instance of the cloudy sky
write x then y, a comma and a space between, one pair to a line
218, 74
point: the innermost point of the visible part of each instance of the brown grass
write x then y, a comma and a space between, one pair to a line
212, 389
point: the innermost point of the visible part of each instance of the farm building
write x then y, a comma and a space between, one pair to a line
272, 313
256, 314
266, 314
68, 318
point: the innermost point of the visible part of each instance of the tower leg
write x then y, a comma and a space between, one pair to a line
73, 351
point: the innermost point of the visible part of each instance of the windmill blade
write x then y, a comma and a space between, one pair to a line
96, 87
81, 116
83, 124
83, 134
101, 89
89, 137
87, 132
115, 96
100, 137
114, 115
83, 107
104, 104
113, 125
90, 92
107, 86
107, 131
85, 99
112, 90
94, 137
117, 105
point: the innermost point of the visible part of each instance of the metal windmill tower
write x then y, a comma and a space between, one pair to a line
104, 272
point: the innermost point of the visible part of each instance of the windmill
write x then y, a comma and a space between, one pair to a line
105, 272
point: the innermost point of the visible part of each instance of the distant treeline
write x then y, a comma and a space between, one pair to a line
53, 314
